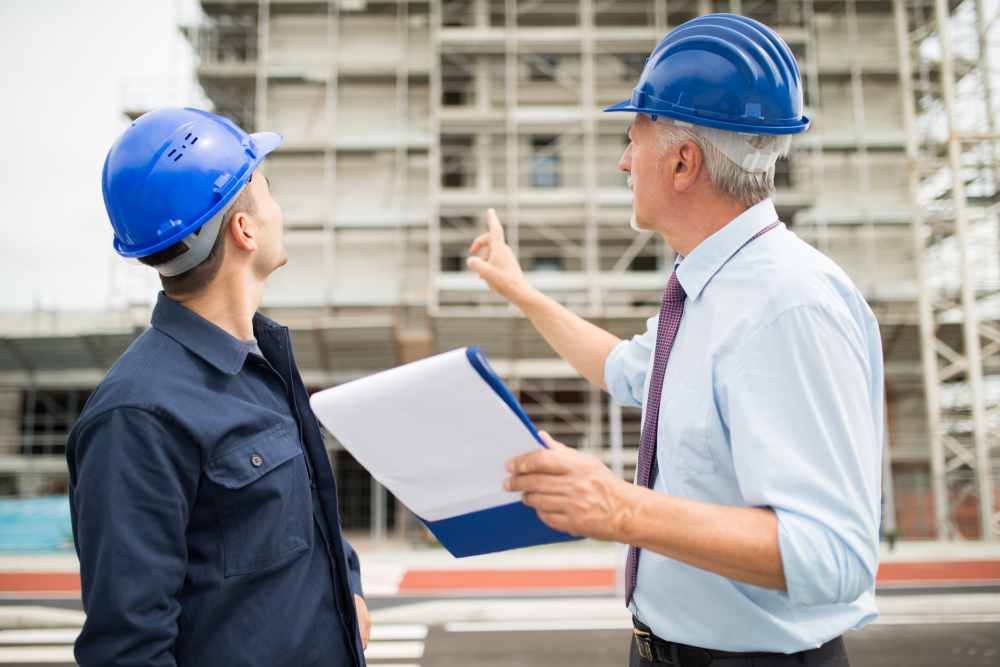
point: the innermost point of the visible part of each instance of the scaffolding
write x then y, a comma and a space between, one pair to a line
405, 119
952, 178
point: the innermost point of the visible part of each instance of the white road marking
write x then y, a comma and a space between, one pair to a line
36, 616
40, 636
390, 650
528, 626
399, 631
382, 579
37, 655
438, 612
935, 620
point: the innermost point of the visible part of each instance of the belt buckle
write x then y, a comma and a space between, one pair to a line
644, 645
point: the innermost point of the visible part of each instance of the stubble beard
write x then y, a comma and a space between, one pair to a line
634, 222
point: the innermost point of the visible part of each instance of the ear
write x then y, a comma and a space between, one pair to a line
688, 165
242, 234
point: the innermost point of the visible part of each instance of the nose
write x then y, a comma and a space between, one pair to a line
625, 164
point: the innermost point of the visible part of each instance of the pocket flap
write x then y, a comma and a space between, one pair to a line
246, 461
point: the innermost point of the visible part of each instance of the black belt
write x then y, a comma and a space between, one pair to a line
654, 649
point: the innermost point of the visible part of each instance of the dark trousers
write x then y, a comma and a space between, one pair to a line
830, 654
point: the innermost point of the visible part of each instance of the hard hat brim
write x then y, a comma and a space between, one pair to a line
798, 126
266, 142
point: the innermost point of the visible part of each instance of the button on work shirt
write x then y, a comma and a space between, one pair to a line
772, 397
205, 510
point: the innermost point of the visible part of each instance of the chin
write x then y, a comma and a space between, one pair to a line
634, 222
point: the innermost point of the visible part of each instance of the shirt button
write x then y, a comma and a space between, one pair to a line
312, 484
256, 460
346, 616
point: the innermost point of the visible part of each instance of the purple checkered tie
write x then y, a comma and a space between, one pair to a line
671, 310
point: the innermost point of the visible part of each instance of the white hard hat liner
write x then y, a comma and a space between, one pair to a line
199, 243
731, 144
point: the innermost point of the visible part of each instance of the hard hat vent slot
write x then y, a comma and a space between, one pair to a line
171, 152
179, 156
194, 140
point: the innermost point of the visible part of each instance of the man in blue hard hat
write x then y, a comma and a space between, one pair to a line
204, 506
753, 520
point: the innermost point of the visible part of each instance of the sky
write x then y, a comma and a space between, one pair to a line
63, 65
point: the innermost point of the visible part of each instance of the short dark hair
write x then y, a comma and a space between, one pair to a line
199, 277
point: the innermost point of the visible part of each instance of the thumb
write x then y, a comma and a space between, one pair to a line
550, 442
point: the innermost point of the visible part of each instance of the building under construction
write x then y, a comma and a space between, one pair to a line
404, 120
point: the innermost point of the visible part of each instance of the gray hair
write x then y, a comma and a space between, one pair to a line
738, 186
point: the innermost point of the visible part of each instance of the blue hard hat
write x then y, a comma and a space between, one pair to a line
171, 171
722, 71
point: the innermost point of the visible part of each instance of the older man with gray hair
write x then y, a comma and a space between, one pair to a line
753, 521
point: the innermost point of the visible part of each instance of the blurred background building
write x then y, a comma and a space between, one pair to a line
404, 120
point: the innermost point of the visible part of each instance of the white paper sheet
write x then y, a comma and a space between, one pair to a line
433, 432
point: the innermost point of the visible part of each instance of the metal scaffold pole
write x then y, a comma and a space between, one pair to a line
591, 232
263, 40
974, 368
402, 146
330, 151
861, 141
510, 98
816, 150
434, 162
942, 510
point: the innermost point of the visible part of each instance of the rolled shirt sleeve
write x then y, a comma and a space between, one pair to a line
133, 482
627, 365
799, 400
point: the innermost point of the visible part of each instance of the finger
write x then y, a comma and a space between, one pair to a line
545, 461
556, 520
478, 244
546, 502
477, 264
550, 442
536, 483
496, 229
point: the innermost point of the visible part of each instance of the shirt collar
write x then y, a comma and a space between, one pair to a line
695, 270
211, 343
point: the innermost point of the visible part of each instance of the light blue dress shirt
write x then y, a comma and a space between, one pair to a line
772, 397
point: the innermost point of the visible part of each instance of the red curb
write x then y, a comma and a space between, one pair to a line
889, 574
966, 571
39, 582
451, 580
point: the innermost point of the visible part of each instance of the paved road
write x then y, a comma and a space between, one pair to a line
945, 645
931, 643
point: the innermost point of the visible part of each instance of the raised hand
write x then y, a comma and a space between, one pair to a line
497, 265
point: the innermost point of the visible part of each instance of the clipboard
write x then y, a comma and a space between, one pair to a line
438, 433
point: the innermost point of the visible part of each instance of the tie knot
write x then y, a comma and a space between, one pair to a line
674, 292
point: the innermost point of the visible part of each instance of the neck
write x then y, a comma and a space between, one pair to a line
692, 225
229, 303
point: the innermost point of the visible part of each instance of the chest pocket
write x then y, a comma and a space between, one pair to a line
684, 423
259, 498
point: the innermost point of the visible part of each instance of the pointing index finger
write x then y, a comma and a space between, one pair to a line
496, 229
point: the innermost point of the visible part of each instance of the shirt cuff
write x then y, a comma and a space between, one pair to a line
355, 578
614, 377
820, 568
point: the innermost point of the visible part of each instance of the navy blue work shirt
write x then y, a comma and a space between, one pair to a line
205, 510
